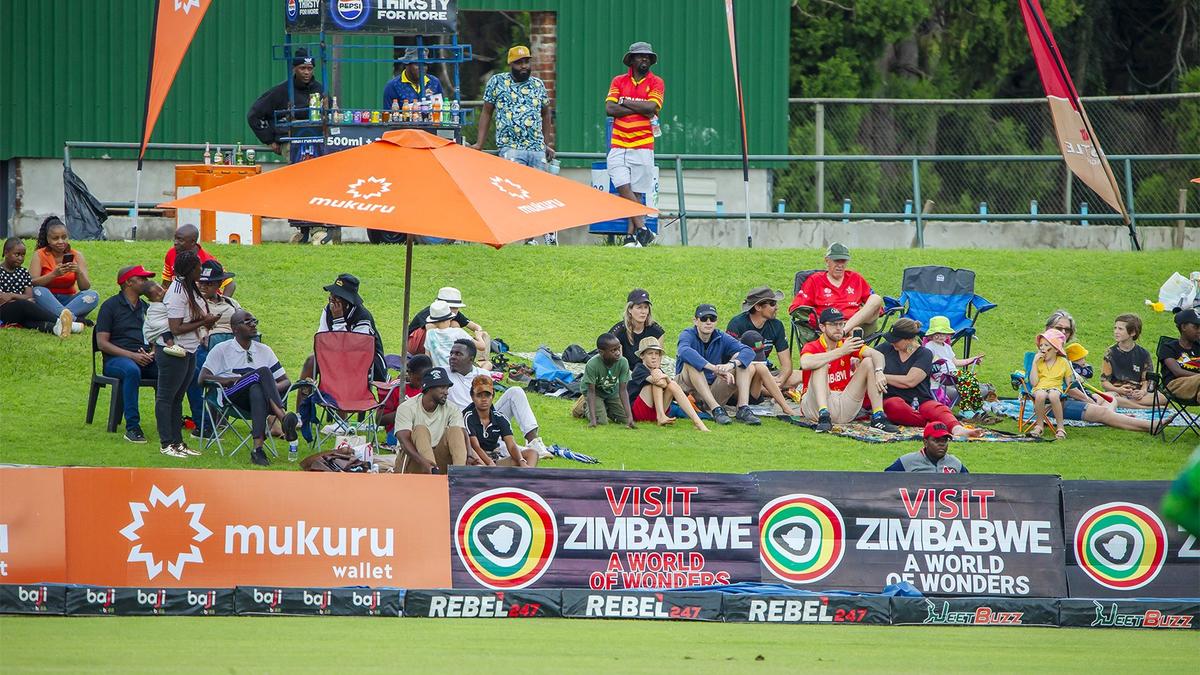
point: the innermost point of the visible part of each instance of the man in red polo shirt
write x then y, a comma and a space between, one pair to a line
633, 101
840, 288
186, 239
846, 371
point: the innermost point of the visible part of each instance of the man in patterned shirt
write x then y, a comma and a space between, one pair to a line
521, 106
633, 101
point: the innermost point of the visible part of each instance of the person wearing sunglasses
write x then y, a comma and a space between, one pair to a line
251, 378
759, 311
716, 367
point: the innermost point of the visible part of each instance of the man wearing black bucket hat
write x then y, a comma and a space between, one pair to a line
633, 101
432, 434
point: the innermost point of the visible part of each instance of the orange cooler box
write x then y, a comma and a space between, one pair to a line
216, 226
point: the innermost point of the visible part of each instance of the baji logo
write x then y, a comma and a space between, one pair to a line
105, 597
155, 600
506, 537
369, 600
375, 187
186, 5
205, 600
322, 600
1121, 545
801, 538
139, 509
272, 600
35, 596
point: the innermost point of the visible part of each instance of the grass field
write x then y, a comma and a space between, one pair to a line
537, 295
323, 644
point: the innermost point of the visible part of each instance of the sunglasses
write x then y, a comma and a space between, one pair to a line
769, 302
709, 318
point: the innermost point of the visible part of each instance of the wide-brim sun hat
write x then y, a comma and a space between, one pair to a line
640, 48
1056, 339
649, 344
939, 325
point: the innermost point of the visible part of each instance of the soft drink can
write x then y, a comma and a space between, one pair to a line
376, 117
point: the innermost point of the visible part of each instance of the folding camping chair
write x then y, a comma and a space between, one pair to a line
343, 383
933, 290
1180, 409
220, 415
1025, 392
801, 325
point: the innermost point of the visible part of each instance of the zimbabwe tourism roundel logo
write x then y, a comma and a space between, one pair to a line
1121, 545
506, 537
802, 538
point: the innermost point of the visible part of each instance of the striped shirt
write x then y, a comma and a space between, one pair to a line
633, 131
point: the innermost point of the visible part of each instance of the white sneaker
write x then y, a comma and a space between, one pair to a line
173, 451
334, 429
539, 445
174, 350
65, 324
76, 327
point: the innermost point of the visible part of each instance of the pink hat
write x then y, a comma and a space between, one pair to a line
1055, 337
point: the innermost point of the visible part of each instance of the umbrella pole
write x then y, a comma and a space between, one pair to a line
408, 246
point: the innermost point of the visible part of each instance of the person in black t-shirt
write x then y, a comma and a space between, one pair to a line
907, 366
759, 310
1127, 366
1181, 358
490, 434
652, 390
637, 325
120, 339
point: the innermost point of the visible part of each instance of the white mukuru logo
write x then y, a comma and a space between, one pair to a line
157, 498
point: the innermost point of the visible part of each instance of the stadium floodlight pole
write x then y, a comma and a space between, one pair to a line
737, 86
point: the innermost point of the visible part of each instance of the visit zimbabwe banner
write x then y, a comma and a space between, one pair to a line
946, 534
601, 530
1119, 545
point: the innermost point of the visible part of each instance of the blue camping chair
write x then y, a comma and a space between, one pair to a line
1021, 384
932, 290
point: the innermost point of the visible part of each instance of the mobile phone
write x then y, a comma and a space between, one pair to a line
68, 258
857, 332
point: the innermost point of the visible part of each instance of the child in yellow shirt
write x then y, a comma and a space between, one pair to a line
1048, 379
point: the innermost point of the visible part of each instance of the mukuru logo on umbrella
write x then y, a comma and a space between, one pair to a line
517, 191
802, 537
1120, 545
506, 537
153, 555
364, 189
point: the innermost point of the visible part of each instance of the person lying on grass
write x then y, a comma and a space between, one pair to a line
652, 390
1048, 380
251, 378
488, 431
606, 386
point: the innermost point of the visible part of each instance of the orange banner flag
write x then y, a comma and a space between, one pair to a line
175, 24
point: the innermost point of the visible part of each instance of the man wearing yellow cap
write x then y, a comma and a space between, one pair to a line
521, 107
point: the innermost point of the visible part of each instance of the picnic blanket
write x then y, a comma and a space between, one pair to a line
1009, 407
668, 363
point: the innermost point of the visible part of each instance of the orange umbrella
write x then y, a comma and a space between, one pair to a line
414, 182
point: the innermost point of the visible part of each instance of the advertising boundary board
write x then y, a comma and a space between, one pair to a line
383, 17
712, 606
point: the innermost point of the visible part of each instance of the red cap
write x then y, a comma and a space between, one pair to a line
936, 430
127, 273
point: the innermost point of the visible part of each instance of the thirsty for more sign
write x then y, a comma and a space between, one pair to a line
601, 530
944, 534
389, 17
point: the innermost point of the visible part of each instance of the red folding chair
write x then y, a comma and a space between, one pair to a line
344, 387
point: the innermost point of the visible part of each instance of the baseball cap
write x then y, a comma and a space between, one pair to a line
638, 295
837, 251
831, 315
754, 340
936, 430
436, 377
705, 310
211, 270
451, 296
126, 273
1187, 316
517, 53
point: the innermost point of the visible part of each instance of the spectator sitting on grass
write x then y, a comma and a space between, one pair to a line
605, 384
60, 275
1127, 366
841, 288
637, 325
119, 337
652, 390
907, 367
839, 372
489, 432
759, 310
431, 433
252, 378
17, 307
453, 297
442, 331
512, 404
1181, 358
763, 384
187, 239
414, 371
932, 457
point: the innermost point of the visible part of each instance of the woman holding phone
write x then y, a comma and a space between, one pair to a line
60, 274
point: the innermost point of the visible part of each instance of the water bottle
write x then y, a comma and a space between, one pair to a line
915, 404
655, 127
293, 450
454, 117
207, 153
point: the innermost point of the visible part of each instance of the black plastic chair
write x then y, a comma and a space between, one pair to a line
116, 400
1177, 408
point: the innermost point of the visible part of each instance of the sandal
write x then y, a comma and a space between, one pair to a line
1036, 432
1061, 434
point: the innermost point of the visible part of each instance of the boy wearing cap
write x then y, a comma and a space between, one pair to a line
1181, 358
441, 332
932, 457
840, 288
127, 355
431, 433
836, 393
759, 311
651, 390
634, 100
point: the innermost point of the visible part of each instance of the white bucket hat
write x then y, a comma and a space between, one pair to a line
451, 296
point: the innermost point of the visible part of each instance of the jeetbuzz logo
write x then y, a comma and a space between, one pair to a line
1121, 545
802, 538
506, 537
165, 545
